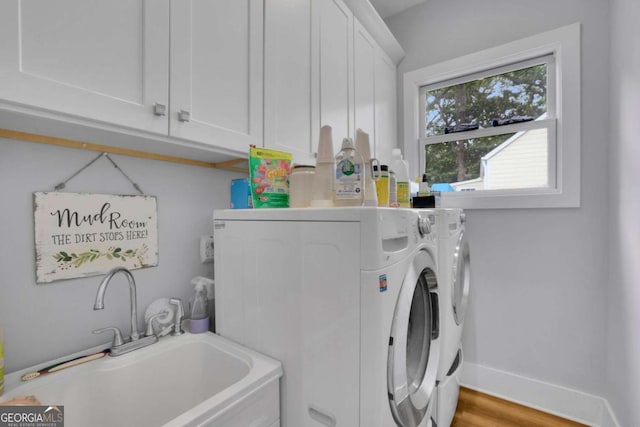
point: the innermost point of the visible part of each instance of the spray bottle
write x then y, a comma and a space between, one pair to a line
199, 321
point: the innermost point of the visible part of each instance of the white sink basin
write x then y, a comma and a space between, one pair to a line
190, 380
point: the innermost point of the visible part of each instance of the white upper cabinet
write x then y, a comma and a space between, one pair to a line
334, 32
287, 92
322, 67
375, 94
202, 79
365, 50
217, 71
119, 63
386, 127
308, 74
104, 61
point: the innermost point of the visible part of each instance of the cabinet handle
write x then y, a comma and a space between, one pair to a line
184, 116
160, 109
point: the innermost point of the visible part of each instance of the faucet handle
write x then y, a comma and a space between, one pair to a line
177, 327
117, 335
149, 331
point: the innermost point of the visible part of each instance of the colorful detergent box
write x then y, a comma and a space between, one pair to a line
269, 172
240, 194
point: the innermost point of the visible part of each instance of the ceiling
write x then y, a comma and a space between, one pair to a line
386, 8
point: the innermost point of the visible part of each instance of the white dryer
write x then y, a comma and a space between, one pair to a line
347, 299
454, 274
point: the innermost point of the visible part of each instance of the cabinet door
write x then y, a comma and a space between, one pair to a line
364, 82
216, 72
330, 320
333, 61
386, 107
106, 61
287, 90
290, 290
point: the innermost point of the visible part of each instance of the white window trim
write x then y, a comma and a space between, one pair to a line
564, 44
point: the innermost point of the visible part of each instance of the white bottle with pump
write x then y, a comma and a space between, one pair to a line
350, 176
401, 169
199, 321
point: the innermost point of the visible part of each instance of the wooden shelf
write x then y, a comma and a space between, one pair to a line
232, 165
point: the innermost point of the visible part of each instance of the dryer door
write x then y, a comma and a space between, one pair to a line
461, 278
414, 345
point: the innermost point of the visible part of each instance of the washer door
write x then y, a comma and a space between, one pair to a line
414, 344
461, 278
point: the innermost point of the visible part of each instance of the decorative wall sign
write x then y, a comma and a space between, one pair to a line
79, 234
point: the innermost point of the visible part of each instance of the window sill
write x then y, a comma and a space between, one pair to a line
509, 199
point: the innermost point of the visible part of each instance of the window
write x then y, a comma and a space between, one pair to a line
500, 128
491, 131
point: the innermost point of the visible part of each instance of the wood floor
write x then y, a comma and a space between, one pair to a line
477, 409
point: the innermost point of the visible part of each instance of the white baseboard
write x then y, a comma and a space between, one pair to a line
608, 417
561, 401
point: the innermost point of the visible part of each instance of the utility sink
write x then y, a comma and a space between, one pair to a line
189, 380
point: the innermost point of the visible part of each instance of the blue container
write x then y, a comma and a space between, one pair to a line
442, 187
240, 194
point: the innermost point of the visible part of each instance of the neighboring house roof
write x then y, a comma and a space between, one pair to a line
497, 166
505, 144
501, 147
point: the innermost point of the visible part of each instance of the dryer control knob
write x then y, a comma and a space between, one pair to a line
424, 225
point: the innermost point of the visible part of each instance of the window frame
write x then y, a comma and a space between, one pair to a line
564, 161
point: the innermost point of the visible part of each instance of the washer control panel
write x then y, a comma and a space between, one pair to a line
426, 225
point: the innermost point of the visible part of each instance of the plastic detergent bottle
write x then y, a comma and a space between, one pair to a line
401, 168
350, 177
199, 321
382, 185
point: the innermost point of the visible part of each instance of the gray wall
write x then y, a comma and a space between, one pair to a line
623, 363
539, 297
42, 322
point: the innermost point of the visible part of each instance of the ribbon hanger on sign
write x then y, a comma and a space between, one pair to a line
63, 184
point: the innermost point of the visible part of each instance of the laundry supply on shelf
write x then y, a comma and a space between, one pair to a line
269, 177
349, 176
324, 178
382, 185
364, 148
400, 167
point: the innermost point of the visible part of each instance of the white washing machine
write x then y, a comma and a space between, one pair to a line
347, 299
454, 275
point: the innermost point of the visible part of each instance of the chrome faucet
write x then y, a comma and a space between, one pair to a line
179, 314
99, 304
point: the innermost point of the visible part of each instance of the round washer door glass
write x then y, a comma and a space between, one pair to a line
414, 346
461, 279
